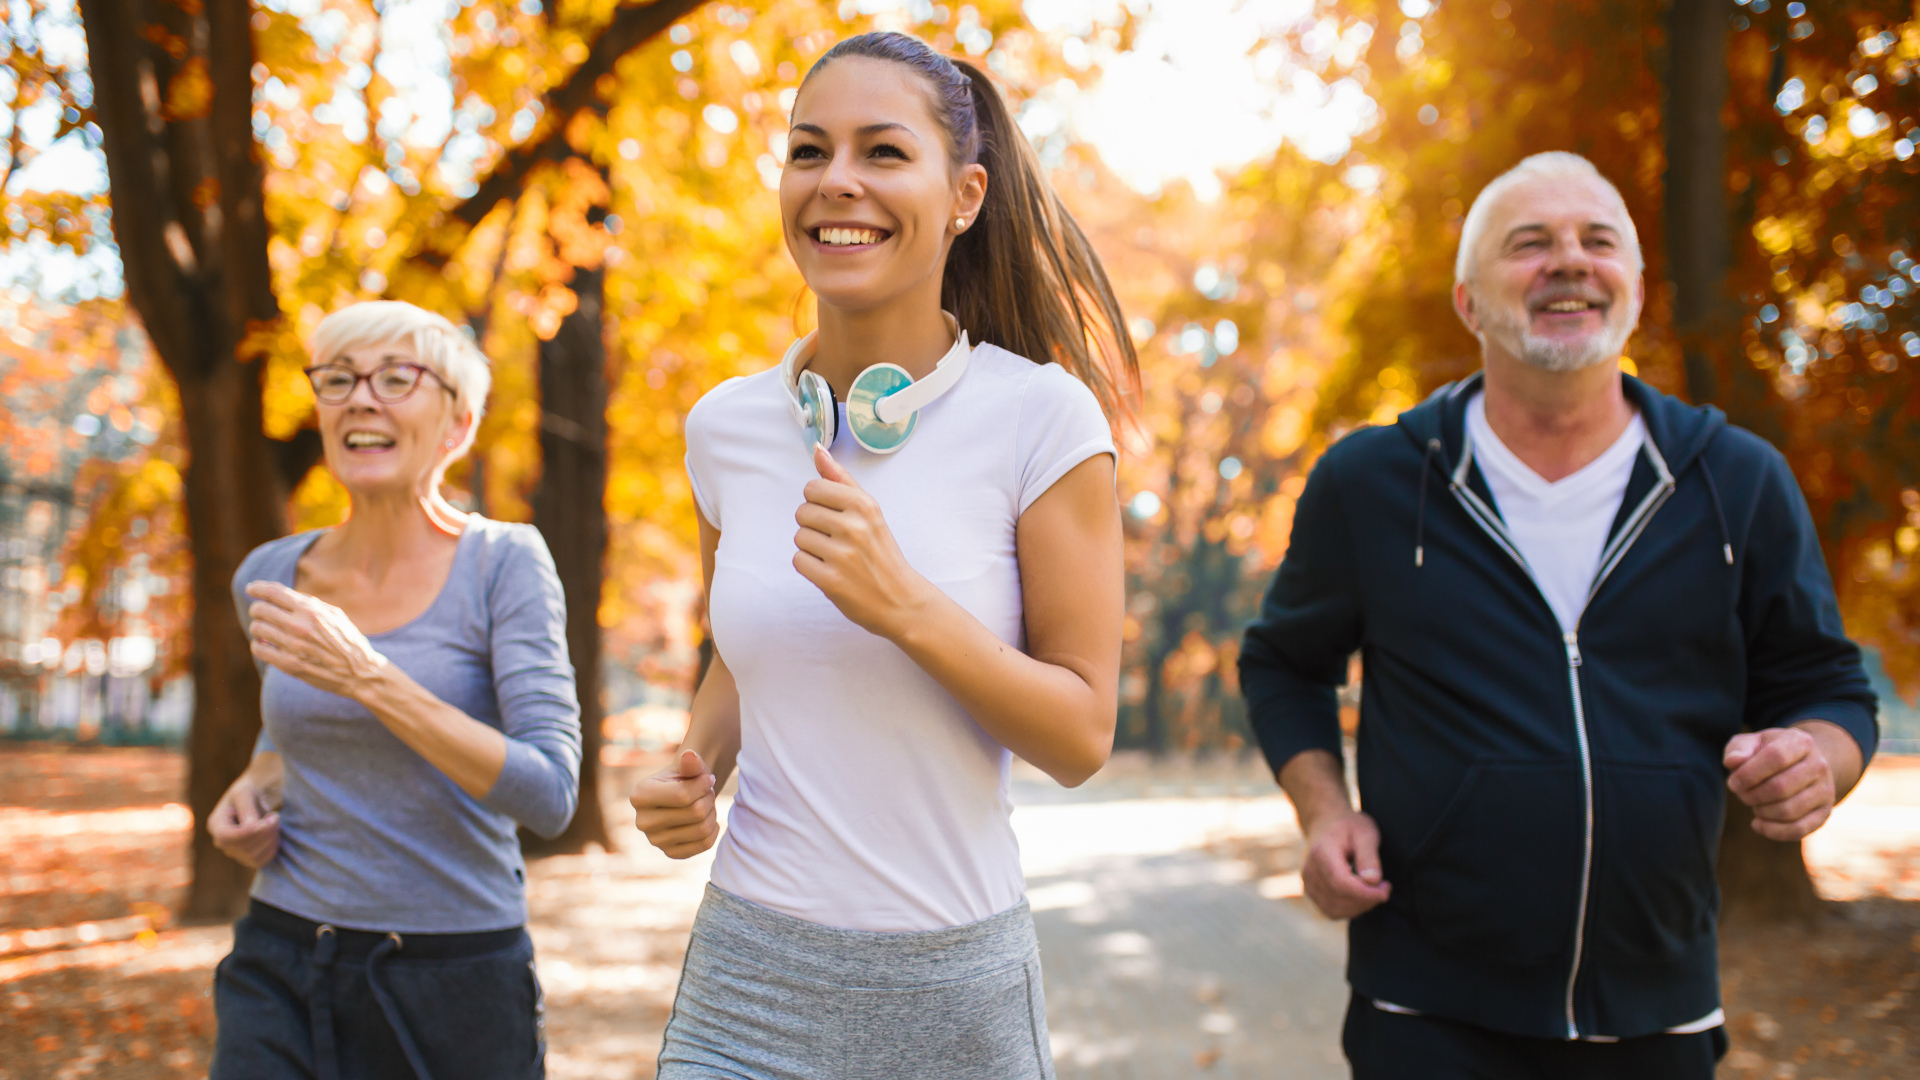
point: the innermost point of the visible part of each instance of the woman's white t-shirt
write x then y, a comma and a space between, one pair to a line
869, 799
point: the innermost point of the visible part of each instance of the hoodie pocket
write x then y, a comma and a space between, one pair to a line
1498, 876
1654, 890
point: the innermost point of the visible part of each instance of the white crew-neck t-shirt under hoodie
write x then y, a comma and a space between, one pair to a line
1560, 527
869, 799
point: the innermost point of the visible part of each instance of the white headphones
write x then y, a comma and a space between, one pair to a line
884, 402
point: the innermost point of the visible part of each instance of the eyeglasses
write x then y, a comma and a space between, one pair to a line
392, 384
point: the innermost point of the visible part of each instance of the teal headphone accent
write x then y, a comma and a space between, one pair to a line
884, 402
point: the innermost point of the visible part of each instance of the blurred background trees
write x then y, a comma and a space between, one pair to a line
586, 185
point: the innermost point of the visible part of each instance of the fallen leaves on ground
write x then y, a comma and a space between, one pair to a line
96, 847
93, 837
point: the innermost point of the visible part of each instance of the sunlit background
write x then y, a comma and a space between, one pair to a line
1275, 184
1276, 187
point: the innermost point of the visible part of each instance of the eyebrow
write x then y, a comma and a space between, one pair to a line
869, 129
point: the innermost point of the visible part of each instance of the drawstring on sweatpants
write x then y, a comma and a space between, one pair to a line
326, 1054
1420, 515
375, 965
1713, 492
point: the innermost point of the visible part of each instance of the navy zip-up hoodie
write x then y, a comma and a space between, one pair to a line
1549, 804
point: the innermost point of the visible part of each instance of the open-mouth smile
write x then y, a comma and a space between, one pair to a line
367, 441
1570, 307
849, 237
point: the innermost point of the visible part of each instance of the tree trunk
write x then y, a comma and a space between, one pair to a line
1760, 879
1698, 250
190, 221
234, 503
569, 509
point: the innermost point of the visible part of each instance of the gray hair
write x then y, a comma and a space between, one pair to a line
440, 345
1552, 165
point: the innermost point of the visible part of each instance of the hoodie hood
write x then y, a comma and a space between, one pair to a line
1679, 431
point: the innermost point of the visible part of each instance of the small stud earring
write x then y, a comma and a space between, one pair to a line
960, 223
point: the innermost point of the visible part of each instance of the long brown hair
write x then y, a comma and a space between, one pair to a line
1024, 277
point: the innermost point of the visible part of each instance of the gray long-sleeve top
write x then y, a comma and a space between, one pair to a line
374, 837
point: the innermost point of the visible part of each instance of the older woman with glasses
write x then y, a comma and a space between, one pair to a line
418, 704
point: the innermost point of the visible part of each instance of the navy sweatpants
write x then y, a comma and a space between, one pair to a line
1383, 1045
355, 1005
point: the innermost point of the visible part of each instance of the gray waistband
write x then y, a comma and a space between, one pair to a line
864, 958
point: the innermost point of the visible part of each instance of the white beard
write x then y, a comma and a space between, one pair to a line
1551, 354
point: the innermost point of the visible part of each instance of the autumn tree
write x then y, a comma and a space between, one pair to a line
85, 438
172, 95
173, 90
1228, 315
1811, 340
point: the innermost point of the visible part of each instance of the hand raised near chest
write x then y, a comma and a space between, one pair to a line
849, 553
311, 640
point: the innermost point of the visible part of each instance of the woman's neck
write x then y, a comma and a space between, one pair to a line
914, 336
386, 529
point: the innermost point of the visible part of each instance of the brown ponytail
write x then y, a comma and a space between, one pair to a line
1024, 276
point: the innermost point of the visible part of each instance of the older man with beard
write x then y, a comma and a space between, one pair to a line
1583, 608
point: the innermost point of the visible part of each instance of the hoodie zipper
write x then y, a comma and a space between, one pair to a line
1572, 638
1490, 523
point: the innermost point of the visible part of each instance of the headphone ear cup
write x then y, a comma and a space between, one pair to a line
862, 418
819, 408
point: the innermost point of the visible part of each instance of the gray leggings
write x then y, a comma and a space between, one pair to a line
766, 996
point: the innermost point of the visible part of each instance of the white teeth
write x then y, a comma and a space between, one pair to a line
1568, 306
367, 438
849, 237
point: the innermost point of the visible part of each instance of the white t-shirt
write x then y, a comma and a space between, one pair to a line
1561, 527
869, 799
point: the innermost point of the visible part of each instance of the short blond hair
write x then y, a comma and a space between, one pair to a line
441, 346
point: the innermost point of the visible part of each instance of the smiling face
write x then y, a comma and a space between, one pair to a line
1556, 281
376, 447
870, 196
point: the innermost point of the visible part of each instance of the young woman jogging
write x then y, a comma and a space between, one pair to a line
418, 705
913, 556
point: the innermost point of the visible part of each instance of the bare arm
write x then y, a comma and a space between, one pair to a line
1053, 705
315, 642
675, 806
1840, 752
1315, 782
1342, 872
